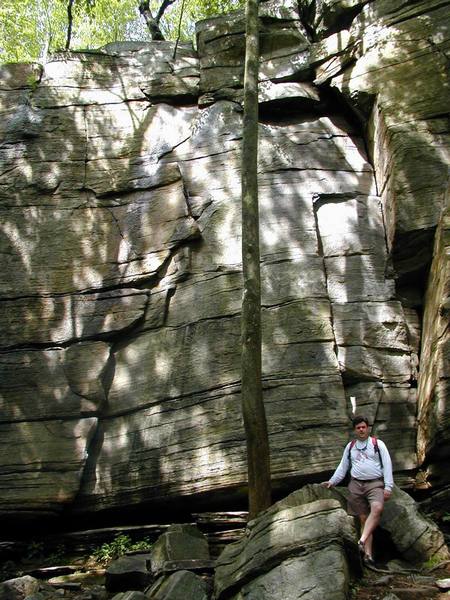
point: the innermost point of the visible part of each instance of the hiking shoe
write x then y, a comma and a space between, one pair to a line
368, 561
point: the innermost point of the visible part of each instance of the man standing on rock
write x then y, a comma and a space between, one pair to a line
371, 481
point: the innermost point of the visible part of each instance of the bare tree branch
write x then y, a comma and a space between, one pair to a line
151, 21
162, 9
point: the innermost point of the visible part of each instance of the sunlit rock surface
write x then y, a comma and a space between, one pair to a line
121, 273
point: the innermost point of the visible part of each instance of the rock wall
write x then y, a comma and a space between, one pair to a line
121, 272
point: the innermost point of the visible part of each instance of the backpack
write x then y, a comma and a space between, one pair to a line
375, 447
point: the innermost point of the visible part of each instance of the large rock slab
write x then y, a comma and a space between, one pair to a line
282, 545
284, 46
41, 464
408, 148
415, 536
120, 72
94, 248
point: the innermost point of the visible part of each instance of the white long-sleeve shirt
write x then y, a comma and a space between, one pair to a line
365, 463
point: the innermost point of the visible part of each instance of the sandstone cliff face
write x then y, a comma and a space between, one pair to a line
121, 276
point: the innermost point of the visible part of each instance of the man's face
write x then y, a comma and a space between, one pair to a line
361, 431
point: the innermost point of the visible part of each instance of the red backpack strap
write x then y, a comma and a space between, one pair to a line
352, 443
377, 449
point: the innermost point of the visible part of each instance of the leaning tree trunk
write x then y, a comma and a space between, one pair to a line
258, 453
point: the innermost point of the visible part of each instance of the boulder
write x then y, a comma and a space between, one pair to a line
283, 546
317, 575
128, 573
182, 585
181, 542
443, 584
18, 588
416, 537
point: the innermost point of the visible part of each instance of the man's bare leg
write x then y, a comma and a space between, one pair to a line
368, 524
368, 544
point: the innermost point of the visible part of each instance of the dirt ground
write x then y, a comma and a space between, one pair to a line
377, 584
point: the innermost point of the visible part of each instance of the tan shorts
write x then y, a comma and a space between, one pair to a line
362, 494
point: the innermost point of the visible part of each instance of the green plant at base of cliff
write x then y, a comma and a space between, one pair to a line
57, 555
120, 545
34, 550
431, 563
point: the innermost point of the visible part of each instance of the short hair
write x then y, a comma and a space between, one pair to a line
359, 419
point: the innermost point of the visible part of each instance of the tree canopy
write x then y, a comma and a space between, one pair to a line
31, 30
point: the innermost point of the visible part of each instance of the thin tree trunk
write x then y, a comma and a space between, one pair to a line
179, 30
258, 452
69, 24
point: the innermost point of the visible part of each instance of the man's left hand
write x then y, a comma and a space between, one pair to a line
387, 494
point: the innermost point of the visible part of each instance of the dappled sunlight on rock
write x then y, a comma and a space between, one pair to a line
120, 228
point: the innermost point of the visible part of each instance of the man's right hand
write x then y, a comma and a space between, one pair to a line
326, 484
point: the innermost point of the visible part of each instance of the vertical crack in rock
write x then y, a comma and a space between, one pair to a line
317, 200
95, 444
169, 296
386, 241
122, 236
